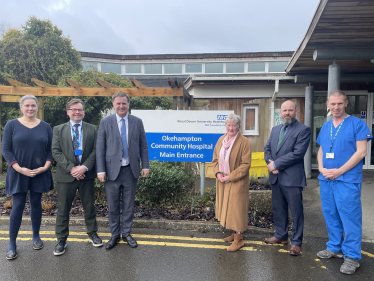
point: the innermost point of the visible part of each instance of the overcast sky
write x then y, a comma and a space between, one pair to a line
170, 26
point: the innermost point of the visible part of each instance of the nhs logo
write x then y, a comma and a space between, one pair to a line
221, 117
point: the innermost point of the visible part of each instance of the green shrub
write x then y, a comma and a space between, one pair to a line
100, 197
2, 184
5, 166
167, 182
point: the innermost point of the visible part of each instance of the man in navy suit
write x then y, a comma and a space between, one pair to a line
284, 153
121, 143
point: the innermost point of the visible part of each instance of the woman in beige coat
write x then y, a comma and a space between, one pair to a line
231, 163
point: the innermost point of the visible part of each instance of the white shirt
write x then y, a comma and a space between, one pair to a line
125, 161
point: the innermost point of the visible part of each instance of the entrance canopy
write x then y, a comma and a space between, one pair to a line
341, 26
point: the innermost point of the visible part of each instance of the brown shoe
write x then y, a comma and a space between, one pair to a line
230, 238
274, 240
237, 244
295, 250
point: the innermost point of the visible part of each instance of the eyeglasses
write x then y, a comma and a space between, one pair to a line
76, 110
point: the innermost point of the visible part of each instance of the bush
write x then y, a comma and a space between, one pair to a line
167, 182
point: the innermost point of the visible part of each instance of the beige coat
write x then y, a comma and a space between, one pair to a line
232, 199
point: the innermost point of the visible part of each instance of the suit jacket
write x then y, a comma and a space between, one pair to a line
63, 151
289, 157
109, 147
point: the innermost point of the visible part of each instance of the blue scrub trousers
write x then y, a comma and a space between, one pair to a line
341, 206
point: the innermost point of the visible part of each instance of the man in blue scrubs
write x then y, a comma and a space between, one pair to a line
343, 143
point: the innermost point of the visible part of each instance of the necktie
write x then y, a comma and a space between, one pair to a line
125, 152
75, 142
281, 136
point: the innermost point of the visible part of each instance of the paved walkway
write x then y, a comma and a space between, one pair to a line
314, 221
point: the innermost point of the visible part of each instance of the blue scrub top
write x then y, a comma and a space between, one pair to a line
352, 130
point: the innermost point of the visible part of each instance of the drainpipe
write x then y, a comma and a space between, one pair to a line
272, 109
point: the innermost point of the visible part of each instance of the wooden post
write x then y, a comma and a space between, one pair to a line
41, 108
175, 103
181, 103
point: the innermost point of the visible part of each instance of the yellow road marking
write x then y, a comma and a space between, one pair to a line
317, 260
151, 243
145, 236
367, 254
168, 237
282, 251
324, 267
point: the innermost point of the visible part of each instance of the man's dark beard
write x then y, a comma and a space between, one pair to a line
289, 120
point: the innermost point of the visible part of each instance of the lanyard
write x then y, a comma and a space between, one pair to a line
79, 141
333, 140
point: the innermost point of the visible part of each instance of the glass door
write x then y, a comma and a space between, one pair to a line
359, 105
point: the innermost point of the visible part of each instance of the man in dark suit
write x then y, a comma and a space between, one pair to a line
74, 149
121, 143
284, 153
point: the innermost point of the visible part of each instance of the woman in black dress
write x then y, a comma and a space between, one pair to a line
27, 148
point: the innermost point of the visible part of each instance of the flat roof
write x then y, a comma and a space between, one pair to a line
286, 54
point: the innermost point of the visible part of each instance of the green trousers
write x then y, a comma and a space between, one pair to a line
65, 196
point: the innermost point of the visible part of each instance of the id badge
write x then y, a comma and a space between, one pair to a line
330, 155
78, 152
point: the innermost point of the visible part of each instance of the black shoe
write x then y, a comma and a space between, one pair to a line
37, 245
131, 241
112, 243
11, 255
95, 240
60, 248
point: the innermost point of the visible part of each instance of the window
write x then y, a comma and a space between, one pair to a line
155, 68
277, 66
111, 67
133, 68
171, 68
234, 67
193, 68
256, 67
250, 120
87, 64
214, 67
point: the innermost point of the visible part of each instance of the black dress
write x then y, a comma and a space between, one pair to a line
31, 148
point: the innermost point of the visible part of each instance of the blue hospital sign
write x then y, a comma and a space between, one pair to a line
182, 136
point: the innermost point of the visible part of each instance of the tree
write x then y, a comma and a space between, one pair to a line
55, 111
4, 26
37, 50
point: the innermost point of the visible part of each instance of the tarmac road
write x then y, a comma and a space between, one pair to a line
171, 255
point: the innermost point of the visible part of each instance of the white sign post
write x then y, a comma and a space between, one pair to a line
182, 135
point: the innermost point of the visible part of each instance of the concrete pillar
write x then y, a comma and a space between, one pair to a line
308, 121
333, 82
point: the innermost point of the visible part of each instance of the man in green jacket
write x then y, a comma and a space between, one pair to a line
74, 150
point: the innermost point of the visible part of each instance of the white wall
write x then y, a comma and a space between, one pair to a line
245, 91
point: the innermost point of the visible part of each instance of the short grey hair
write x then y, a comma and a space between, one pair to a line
28, 97
233, 118
337, 93
120, 95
